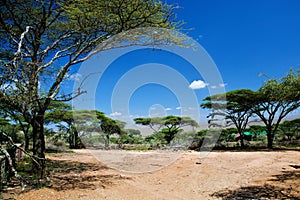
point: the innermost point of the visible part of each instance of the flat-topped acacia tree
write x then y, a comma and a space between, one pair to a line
234, 105
41, 40
170, 125
275, 100
272, 102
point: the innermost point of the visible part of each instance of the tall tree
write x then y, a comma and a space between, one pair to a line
275, 100
41, 40
234, 105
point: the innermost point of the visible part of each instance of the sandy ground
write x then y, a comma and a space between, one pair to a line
118, 175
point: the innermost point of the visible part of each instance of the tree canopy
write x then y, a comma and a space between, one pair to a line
41, 40
271, 103
170, 125
234, 105
275, 100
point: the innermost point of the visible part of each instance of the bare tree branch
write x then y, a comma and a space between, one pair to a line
21, 40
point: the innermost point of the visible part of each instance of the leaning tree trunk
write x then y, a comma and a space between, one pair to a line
39, 145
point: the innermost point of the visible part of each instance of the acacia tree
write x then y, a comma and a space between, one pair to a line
154, 123
290, 129
170, 125
41, 40
110, 127
14, 116
61, 114
275, 100
78, 123
234, 105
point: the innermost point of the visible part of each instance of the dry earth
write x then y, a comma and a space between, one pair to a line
118, 175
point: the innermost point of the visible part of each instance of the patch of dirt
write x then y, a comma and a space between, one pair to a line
171, 175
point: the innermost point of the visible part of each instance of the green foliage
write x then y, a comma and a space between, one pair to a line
142, 147
234, 105
42, 40
93, 140
271, 103
275, 100
258, 132
132, 132
156, 140
12, 130
110, 127
129, 139
289, 131
183, 139
170, 125
71, 123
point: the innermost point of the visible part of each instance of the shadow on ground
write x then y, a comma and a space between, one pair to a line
68, 175
64, 175
283, 186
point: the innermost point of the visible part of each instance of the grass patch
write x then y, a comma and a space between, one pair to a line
139, 147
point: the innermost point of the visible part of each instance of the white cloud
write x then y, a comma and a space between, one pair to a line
115, 114
74, 77
222, 84
168, 109
178, 108
197, 84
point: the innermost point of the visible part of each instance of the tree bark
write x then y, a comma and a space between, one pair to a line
39, 145
107, 142
242, 140
270, 139
76, 140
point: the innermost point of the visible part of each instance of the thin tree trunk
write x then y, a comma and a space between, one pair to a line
107, 142
270, 139
242, 140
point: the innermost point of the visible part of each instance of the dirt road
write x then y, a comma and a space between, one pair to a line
119, 175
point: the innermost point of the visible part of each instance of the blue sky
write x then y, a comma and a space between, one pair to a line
246, 37
242, 37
